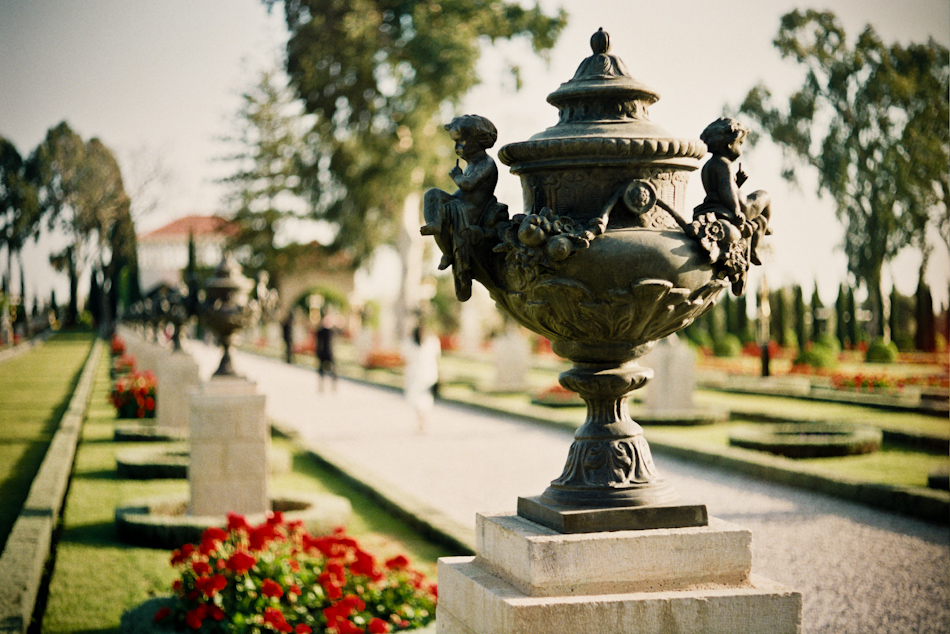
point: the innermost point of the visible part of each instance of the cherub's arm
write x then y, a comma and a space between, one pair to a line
477, 174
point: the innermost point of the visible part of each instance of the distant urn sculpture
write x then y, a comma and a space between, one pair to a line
602, 262
225, 308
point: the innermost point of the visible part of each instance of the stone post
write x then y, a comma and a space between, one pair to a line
177, 375
674, 378
512, 358
229, 447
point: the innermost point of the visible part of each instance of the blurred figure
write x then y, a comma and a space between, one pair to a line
324, 351
288, 332
421, 376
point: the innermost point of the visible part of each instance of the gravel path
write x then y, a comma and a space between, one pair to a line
860, 570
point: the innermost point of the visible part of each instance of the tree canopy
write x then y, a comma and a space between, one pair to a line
377, 75
265, 186
871, 119
80, 193
19, 211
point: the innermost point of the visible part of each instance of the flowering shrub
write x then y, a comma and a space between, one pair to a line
863, 382
133, 395
122, 365
276, 577
382, 359
117, 346
556, 396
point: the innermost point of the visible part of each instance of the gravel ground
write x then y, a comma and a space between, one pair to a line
860, 570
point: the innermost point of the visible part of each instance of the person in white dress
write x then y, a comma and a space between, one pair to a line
422, 351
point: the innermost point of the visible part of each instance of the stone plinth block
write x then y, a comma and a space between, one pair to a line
541, 562
527, 579
229, 446
177, 376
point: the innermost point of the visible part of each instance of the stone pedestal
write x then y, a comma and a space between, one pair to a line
177, 375
229, 444
512, 358
527, 579
674, 378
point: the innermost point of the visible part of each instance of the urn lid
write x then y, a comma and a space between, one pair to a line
603, 118
228, 284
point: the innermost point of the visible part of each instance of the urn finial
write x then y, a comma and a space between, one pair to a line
600, 42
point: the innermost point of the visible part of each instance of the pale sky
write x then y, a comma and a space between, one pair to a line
162, 78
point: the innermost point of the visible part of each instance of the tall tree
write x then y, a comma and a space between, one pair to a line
379, 76
265, 187
80, 191
872, 120
19, 211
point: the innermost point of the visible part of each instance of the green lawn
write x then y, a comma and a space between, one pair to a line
96, 577
35, 388
893, 464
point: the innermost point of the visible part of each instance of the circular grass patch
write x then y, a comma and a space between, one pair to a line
165, 523
171, 461
807, 440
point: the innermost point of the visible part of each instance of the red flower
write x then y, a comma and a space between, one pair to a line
240, 562
377, 626
303, 629
193, 618
272, 589
237, 522
294, 589
163, 613
216, 613
210, 586
261, 535
201, 567
275, 519
274, 618
397, 562
179, 556
214, 534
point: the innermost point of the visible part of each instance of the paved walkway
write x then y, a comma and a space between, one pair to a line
860, 570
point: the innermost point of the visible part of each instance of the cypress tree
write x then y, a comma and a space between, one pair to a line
925, 336
800, 326
816, 318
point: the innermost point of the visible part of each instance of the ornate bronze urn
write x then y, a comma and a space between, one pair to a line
225, 309
603, 262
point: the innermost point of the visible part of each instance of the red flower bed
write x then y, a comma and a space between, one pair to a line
276, 577
117, 346
557, 396
133, 395
383, 359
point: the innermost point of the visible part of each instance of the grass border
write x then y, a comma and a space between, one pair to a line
30, 543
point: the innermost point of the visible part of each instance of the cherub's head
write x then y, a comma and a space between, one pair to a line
474, 128
724, 134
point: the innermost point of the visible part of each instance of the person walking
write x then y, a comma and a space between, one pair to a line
421, 375
288, 332
324, 351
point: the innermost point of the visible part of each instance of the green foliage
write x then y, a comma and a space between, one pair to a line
800, 326
882, 149
379, 76
881, 351
728, 345
829, 341
265, 187
80, 192
699, 336
818, 356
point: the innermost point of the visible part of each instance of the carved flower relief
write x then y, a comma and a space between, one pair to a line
710, 231
618, 463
